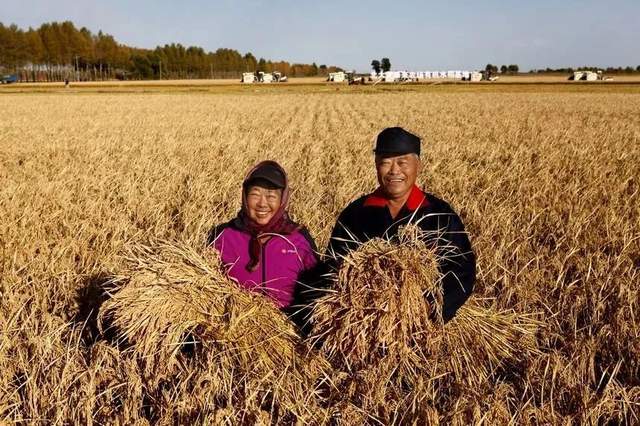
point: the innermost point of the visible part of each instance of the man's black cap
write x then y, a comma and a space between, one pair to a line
269, 172
396, 140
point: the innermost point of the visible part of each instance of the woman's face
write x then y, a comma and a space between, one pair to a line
262, 203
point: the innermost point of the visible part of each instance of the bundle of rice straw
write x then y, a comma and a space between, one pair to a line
205, 346
381, 326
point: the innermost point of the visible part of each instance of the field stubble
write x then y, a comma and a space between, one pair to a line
547, 185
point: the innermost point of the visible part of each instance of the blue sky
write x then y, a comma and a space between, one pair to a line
417, 35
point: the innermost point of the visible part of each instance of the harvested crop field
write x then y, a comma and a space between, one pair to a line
547, 183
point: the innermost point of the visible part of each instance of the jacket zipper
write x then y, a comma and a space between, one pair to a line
263, 262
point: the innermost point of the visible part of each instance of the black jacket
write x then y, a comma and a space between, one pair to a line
368, 217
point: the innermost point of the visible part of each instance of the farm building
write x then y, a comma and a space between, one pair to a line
396, 76
390, 76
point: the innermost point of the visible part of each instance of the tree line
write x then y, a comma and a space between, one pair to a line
514, 69
608, 70
57, 51
504, 69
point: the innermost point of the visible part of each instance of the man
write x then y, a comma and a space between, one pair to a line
398, 201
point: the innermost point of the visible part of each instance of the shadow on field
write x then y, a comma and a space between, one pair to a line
90, 297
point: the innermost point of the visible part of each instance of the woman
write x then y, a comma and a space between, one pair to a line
261, 247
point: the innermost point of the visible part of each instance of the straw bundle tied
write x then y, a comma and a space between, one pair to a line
381, 327
205, 346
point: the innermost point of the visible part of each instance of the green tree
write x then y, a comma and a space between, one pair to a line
142, 66
491, 69
250, 62
262, 65
385, 64
375, 65
504, 69
513, 69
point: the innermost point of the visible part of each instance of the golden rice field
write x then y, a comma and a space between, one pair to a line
547, 183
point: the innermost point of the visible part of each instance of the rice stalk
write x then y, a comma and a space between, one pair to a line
381, 326
205, 344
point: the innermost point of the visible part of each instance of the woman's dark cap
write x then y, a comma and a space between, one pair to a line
267, 173
397, 141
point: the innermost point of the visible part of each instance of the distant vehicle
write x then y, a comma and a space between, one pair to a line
488, 76
9, 78
337, 77
586, 76
475, 76
576, 76
278, 77
248, 77
263, 77
353, 78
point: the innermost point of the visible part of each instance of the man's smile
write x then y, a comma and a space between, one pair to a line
395, 180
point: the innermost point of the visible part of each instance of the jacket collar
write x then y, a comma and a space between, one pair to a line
416, 199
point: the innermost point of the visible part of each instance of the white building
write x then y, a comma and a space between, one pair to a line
404, 75
390, 76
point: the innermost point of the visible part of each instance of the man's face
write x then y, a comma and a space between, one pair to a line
262, 203
397, 175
